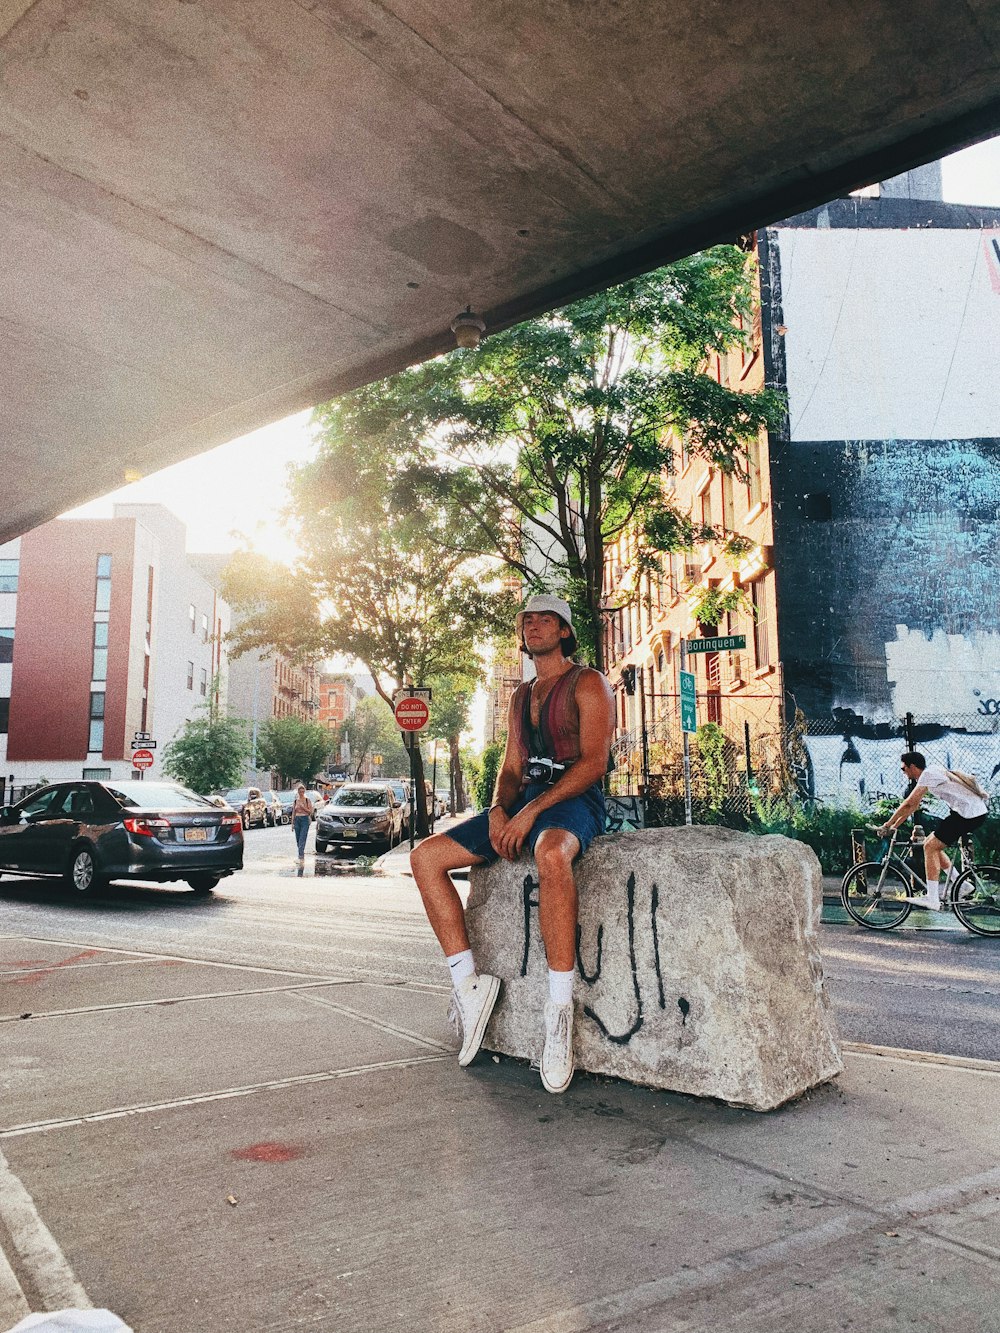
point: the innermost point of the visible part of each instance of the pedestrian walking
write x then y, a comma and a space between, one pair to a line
548, 799
302, 813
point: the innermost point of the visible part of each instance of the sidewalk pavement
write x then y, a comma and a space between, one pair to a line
208, 1148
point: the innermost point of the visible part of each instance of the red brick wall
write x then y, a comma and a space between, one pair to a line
53, 638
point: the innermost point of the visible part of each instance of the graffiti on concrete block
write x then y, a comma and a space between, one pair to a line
623, 813
529, 895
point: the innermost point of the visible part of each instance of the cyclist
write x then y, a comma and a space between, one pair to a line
967, 810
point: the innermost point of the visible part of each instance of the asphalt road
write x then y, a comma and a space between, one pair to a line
922, 990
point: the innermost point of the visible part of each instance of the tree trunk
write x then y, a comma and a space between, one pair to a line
419, 790
458, 797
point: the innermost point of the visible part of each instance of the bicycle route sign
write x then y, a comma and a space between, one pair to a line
689, 707
728, 643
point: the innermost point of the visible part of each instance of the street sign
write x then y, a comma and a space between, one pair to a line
689, 708
376, 759
141, 736
412, 714
142, 759
728, 643
144, 744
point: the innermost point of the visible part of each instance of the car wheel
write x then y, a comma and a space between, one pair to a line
246, 818
83, 875
321, 847
203, 883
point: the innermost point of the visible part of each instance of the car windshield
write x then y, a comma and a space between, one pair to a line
354, 796
238, 794
158, 796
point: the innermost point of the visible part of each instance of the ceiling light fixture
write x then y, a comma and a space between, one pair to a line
468, 328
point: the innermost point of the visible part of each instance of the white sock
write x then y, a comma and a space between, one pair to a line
461, 965
560, 987
951, 875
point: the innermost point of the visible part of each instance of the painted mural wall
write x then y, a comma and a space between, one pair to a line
882, 318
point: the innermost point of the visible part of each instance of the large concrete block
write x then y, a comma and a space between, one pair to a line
698, 966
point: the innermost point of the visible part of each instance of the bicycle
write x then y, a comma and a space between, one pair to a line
879, 894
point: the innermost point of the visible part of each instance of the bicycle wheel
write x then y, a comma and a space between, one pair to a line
874, 895
976, 900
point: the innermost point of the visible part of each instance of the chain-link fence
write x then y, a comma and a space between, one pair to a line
743, 765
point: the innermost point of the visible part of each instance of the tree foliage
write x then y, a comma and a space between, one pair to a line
377, 584
297, 750
371, 729
553, 438
209, 753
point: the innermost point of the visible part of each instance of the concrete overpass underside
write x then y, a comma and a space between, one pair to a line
215, 212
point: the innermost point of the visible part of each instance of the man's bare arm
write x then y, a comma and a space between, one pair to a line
908, 807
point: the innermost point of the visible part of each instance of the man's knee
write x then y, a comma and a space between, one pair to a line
933, 843
554, 852
439, 853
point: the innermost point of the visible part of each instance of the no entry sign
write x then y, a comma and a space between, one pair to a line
411, 714
142, 759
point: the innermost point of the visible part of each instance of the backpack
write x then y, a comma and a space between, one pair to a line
967, 780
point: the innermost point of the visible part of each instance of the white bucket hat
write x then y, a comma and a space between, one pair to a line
541, 602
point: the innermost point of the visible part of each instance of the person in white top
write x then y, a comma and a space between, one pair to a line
967, 811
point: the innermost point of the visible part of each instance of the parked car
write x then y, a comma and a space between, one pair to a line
318, 800
398, 789
287, 799
275, 809
90, 833
362, 814
250, 805
442, 800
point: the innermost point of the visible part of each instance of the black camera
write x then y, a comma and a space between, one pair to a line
545, 771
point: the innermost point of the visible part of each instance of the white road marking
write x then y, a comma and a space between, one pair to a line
173, 999
50, 1273
865, 1050
379, 1023
222, 1094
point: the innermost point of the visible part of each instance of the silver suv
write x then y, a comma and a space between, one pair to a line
362, 814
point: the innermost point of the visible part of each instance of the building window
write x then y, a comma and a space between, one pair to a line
761, 646
8, 575
204, 682
190, 676
192, 617
100, 670
4, 716
96, 774
204, 628
7, 645
96, 742
706, 509
102, 597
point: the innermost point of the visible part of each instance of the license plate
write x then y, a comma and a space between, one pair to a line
350, 833
196, 835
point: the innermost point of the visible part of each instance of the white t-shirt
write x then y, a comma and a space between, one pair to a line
955, 794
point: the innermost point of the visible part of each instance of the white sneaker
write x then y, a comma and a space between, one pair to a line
557, 1057
929, 897
474, 998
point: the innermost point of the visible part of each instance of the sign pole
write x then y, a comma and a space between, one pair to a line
687, 750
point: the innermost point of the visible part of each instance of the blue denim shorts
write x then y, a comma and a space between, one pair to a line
582, 815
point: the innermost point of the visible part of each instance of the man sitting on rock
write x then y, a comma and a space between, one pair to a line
549, 799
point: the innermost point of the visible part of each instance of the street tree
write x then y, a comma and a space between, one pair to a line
210, 753
555, 437
452, 697
376, 585
295, 749
371, 729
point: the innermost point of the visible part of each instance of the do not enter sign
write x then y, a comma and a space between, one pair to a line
411, 714
142, 759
